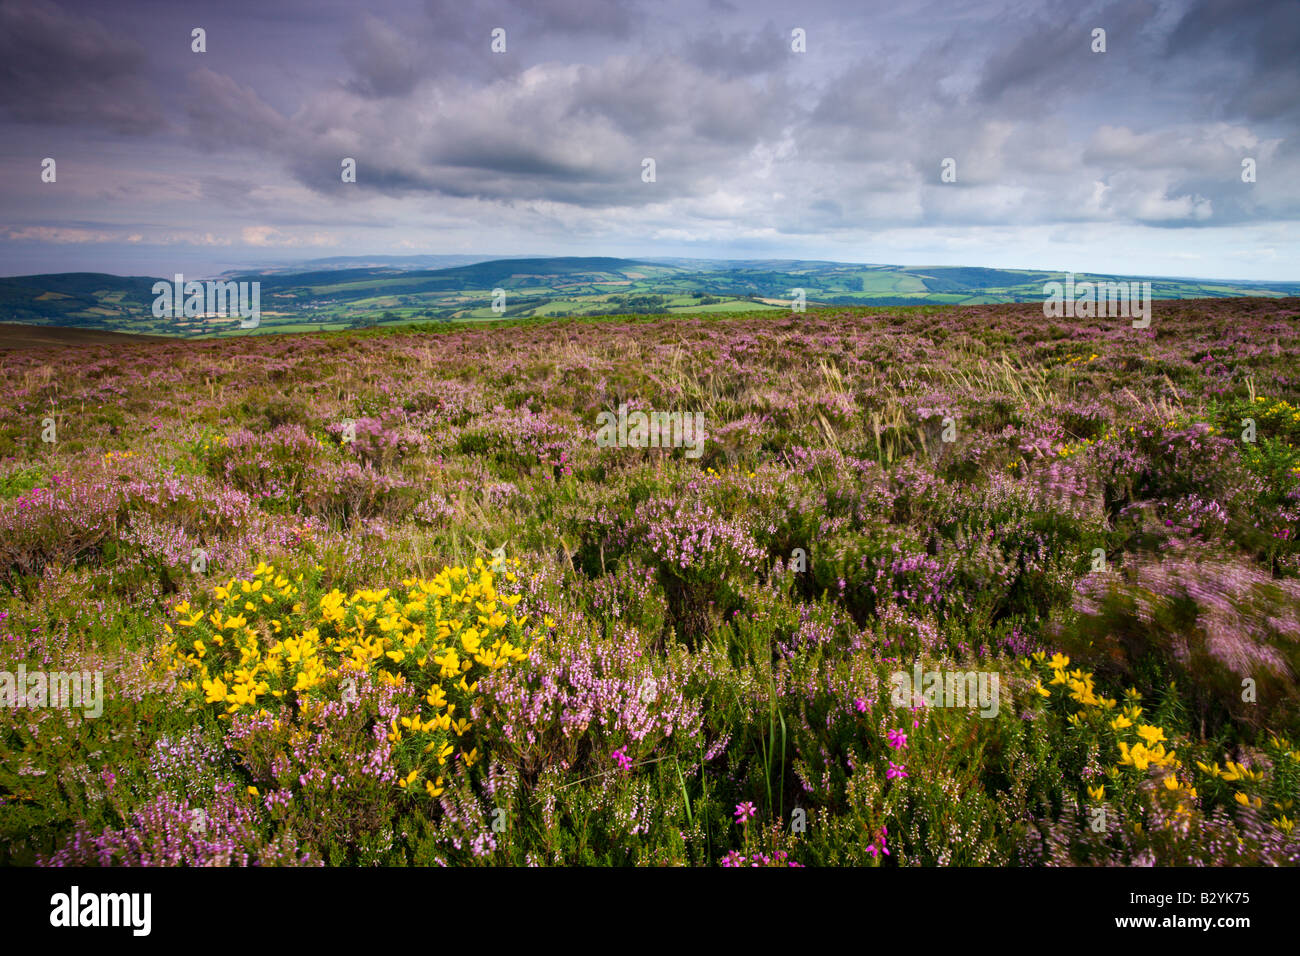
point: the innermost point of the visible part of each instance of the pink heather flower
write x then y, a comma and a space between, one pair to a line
861, 705
878, 844
895, 771
897, 739
745, 812
621, 758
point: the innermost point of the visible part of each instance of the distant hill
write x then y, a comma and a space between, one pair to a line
474, 276
351, 291
90, 299
401, 263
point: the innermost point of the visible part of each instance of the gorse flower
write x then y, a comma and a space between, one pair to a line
297, 648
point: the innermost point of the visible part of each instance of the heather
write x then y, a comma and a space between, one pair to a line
381, 598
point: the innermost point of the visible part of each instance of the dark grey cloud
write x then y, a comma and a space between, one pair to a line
224, 113
60, 68
1258, 42
227, 192
1050, 53
743, 53
385, 61
752, 141
608, 18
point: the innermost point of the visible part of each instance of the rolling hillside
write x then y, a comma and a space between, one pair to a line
339, 293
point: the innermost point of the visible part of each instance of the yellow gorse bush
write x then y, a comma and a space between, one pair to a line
1141, 745
1143, 748
1277, 410
266, 645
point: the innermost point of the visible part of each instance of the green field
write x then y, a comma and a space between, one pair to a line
557, 288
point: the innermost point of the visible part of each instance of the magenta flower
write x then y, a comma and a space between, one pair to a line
745, 812
621, 758
896, 771
878, 844
897, 739
861, 705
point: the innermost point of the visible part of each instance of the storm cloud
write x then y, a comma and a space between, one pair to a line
1064, 156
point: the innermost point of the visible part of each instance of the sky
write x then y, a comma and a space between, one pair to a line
1126, 161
